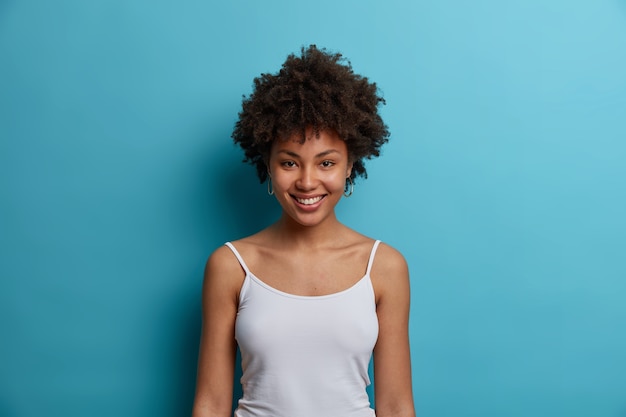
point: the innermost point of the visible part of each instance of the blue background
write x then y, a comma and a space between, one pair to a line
503, 185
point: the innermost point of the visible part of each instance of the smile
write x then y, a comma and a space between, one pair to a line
309, 201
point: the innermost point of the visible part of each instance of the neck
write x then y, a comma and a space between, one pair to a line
293, 234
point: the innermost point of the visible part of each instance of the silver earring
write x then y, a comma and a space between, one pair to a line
270, 189
348, 189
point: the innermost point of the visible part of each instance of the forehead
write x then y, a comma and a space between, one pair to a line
312, 144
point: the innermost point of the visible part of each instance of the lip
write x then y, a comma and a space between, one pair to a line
308, 207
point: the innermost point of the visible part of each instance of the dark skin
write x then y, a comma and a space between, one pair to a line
308, 181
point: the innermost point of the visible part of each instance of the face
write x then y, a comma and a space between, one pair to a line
309, 178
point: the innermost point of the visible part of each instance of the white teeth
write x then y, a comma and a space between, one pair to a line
308, 201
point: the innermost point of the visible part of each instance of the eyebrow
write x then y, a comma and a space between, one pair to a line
319, 155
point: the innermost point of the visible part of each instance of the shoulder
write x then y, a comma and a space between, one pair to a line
223, 272
223, 259
390, 272
250, 249
388, 260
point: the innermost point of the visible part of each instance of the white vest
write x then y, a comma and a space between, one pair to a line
305, 356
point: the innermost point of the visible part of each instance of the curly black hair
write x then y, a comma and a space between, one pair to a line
318, 90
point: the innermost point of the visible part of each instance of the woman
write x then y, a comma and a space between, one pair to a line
308, 300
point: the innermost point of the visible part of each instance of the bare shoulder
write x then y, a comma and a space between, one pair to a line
223, 271
390, 272
251, 248
223, 260
389, 261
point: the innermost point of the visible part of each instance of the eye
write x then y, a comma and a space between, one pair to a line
288, 164
327, 164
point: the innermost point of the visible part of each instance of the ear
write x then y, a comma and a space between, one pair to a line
349, 170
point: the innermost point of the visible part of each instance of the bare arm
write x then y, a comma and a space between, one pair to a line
214, 388
392, 358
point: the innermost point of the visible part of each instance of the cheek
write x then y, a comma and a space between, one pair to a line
281, 180
338, 181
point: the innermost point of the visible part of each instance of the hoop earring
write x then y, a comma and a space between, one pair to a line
270, 189
348, 189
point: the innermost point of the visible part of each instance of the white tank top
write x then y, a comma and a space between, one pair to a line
305, 356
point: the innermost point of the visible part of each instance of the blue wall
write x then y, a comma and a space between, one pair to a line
503, 185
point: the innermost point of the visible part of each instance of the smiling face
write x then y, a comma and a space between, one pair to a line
309, 178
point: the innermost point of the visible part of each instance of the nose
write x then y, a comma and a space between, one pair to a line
307, 179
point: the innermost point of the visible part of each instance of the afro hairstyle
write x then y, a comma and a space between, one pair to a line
317, 90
